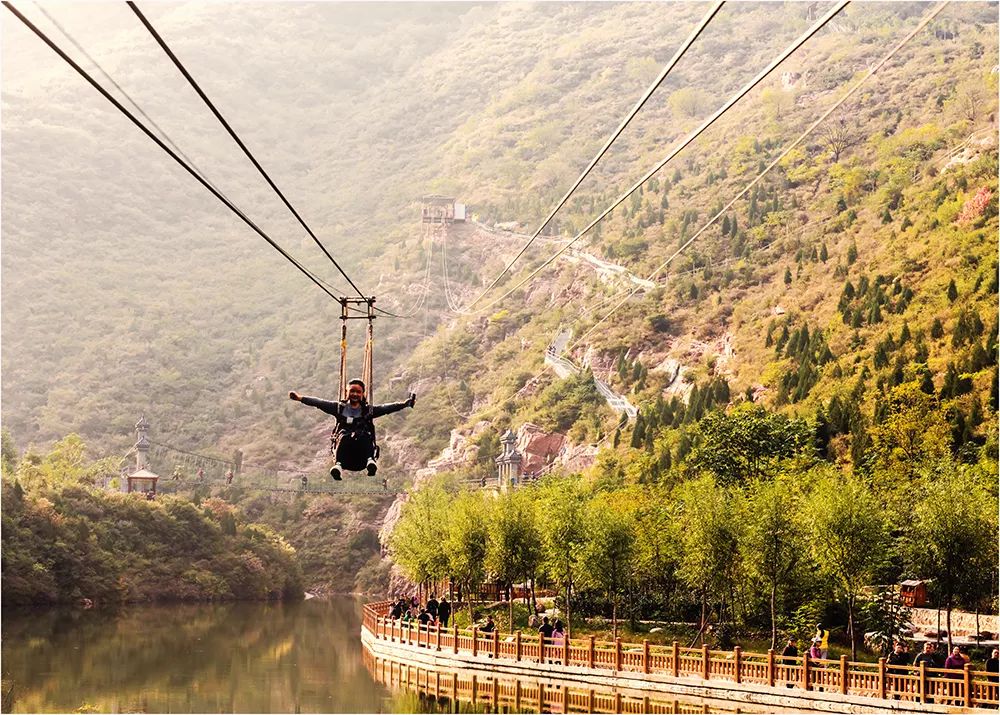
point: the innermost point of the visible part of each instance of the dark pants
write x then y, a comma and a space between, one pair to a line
354, 449
444, 619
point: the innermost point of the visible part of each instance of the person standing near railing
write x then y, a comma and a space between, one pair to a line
823, 636
444, 612
929, 659
898, 658
993, 674
790, 654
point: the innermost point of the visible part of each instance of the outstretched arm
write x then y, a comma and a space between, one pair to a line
389, 408
328, 406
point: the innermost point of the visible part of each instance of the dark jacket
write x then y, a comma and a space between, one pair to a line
345, 423
789, 653
898, 658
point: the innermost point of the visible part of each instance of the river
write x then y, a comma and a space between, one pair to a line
204, 658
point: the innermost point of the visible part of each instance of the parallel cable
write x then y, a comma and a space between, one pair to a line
684, 143
239, 142
857, 85
121, 90
159, 142
611, 140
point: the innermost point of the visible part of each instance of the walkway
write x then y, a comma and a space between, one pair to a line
564, 368
760, 678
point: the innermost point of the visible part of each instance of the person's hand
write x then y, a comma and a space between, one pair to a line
295, 396
413, 399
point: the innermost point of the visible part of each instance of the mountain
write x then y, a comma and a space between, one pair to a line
128, 289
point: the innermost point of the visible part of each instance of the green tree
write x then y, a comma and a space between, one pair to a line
416, 540
465, 542
954, 534
913, 429
708, 526
561, 520
952, 291
608, 550
773, 544
746, 443
513, 544
848, 535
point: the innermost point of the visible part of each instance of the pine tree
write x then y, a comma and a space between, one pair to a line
904, 334
852, 253
952, 291
725, 225
638, 432
926, 381
937, 329
788, 276
823, 254
732, 228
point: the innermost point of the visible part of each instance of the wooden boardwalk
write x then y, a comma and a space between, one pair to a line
832, 684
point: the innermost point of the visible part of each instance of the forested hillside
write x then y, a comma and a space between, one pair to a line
864, 263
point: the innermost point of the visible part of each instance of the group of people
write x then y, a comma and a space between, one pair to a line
409, 609
900, 657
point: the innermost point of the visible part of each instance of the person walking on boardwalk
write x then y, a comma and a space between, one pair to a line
432, 607
444, 612
354, 444
489, 626
546, 628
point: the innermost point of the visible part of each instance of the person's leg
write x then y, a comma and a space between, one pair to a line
372, 463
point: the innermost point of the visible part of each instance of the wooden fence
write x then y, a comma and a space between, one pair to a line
963, 688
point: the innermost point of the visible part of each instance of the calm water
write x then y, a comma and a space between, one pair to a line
243, 657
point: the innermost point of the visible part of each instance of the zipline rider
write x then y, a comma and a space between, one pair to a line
353, 440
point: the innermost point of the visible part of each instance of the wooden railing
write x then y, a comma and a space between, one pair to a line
963, 688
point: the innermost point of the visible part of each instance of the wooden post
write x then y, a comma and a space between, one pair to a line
566, 652
541, 697
517, 692
454, 637
805, 671
496, 694
967, 683
517, 650
541, 648
454, 687
843, 675
618, 701
437, 685
591, 702
770, 667
496, 644
618, 657
705, 661
475, 644
675, 658
923, 681
473, 685
590, 655
645, 657
565, 708
881, 678
437, 630
738, 661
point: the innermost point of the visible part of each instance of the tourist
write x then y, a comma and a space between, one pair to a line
898, 659
546, 628
789, 654
432, 607
558, 634
993, 674
929, 659
815, 650
956, 661
489, 626
397, 610
444, 612
823, 635
424, 617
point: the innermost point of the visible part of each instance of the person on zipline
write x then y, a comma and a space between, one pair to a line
354, 437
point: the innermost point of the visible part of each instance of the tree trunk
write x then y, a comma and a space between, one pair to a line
534, 600
948, 622
850, 627
569, 628
510, 607
614, 618
774, 622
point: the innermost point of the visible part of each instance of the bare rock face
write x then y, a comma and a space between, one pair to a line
538, 448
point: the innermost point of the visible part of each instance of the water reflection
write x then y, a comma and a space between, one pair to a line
242, 657
474, 690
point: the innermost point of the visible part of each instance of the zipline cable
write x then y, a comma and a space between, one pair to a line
159, 142
142, 112
684, 143
611, 140
236, 138
857, 85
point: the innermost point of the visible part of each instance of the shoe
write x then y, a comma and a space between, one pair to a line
372, 467
335, 472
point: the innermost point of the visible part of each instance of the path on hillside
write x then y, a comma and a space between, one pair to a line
564, 368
